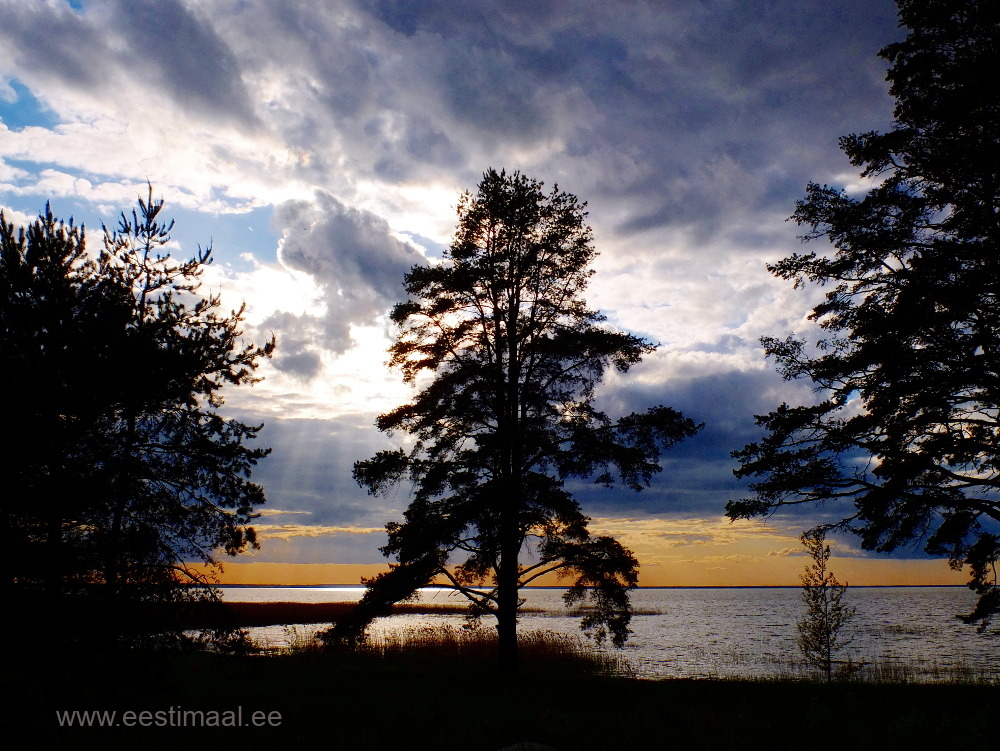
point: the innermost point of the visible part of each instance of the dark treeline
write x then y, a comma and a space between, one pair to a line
119, 472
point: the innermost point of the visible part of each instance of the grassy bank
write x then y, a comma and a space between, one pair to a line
444, 693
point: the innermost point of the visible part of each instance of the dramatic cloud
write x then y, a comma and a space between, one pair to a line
324, 146
352, 253
299, 354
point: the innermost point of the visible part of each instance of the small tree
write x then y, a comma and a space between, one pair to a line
821, 630
509, 416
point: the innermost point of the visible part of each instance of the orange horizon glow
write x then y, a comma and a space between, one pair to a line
776, 572
672, 552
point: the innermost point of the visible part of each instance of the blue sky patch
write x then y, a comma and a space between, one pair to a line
25, 110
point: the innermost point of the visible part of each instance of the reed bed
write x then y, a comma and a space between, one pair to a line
438, 687
878, 672
896, 671
450, 644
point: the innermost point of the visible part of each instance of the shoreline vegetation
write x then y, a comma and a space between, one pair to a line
438, 688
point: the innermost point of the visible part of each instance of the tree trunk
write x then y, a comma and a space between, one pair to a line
507, 593
507, 634
510, 504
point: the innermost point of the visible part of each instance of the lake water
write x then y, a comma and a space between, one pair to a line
722, 632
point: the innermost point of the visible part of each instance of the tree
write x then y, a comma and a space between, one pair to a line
54, 301
128, 474
821, 630
509, 417
906, 431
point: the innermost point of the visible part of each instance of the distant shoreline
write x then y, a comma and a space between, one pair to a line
249, 614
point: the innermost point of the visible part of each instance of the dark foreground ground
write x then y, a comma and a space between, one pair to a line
425, 701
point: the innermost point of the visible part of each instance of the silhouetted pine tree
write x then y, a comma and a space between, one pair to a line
123, 471
509, 416
905, 435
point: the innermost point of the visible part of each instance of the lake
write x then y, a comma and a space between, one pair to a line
721, 632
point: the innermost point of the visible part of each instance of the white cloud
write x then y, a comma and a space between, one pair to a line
15, 217
307, 377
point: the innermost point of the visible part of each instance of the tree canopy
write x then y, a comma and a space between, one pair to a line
906, 428
509, 416
122, 472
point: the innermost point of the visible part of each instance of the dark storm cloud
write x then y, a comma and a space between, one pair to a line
161, 45
53, 41
177, 48
352, 253
732, 114
697, 477
720, 106
485, 90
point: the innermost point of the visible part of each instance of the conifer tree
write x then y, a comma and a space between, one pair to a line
509, 416
122, 473
904, 437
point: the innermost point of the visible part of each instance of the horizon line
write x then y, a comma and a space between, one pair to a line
668, 586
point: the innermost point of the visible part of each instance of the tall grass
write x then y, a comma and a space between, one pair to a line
886, 672
895, 671
451, 644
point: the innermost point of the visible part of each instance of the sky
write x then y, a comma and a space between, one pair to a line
321, 148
